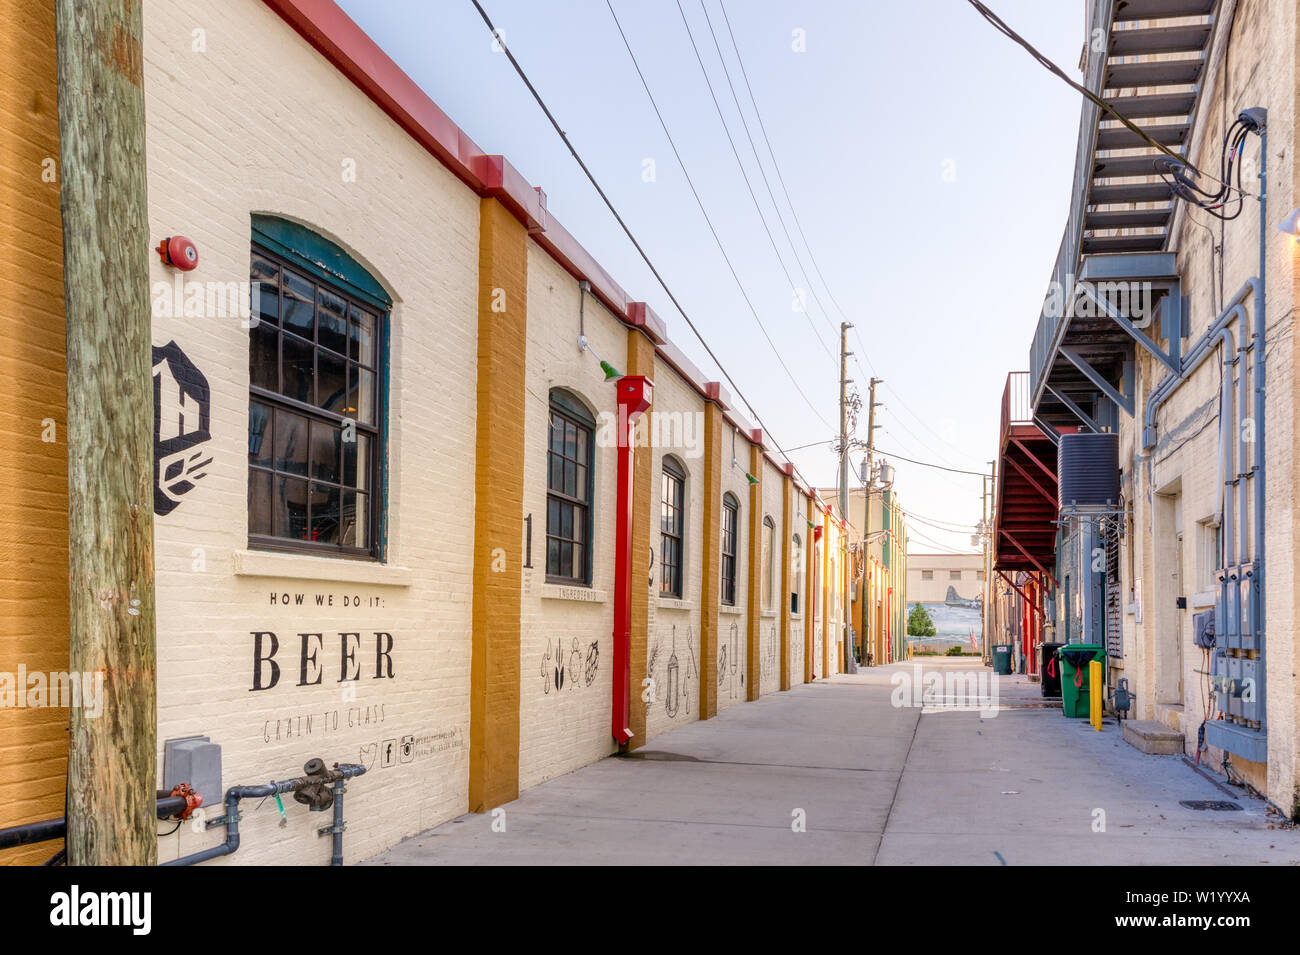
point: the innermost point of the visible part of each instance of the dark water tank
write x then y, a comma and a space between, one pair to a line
1087, 469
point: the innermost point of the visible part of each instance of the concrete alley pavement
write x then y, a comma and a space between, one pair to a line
877, 785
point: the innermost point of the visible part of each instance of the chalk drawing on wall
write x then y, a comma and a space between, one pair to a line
182, 412
729, 671
567, 666
768, 658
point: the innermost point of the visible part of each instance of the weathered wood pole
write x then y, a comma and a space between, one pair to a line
102, 196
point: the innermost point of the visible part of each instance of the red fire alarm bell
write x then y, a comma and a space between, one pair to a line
179, 252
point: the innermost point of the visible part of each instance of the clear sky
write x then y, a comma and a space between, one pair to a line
928, 159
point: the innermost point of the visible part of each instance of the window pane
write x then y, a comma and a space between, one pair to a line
325, 441
264, 357
566, 522
555, 479
552, 516
570, 479
355, 531
361, 399
264, 276
299, 304
580, 491
570, 440
259, 502
324, 514
363, 336
291, 443
356, 462
331, 382
331, 321
298, 374
289, 508
553, 557
259, 434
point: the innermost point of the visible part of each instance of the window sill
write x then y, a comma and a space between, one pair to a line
730, 610
673, 603
579, 594
258, 563
766, 614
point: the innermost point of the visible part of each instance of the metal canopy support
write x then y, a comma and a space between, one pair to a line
1032, 605
1078, 412
1028, 556
1104, 386
1124, 322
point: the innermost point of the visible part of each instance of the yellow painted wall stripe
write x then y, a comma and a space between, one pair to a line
498, 509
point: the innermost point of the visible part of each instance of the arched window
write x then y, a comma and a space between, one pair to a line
316, 428
796, 572
569, 459
730, 531
672, 522
769, 587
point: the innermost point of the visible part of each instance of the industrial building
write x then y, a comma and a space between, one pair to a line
432, 494
1145, 488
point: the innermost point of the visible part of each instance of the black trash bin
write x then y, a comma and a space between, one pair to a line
1049, 669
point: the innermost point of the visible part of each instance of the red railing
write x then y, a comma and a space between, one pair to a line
1017, 403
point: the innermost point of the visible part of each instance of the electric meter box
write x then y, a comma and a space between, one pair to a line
197, 761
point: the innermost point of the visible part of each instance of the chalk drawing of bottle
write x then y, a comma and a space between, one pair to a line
672, 683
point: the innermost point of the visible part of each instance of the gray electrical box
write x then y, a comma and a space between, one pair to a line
197, 761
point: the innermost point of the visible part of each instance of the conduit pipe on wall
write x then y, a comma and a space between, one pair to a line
634, 396
234, 794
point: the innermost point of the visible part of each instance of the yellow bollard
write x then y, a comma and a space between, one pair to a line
1094, 694
909, 649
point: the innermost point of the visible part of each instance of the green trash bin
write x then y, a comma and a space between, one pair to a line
1075, 689
1002, 659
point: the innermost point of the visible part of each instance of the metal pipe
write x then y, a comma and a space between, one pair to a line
234, 794
1257, 489
337, 829
1198, 352
49, 829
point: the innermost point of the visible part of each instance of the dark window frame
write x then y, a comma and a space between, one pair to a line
376, 433
570, 410
730, 535
672, 529
767, 601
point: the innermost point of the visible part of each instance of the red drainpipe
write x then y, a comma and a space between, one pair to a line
634, 396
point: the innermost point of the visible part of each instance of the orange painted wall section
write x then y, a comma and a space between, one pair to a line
33, 472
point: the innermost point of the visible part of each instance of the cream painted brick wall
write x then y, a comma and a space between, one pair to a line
770, 622
259, 122
799, 557
674, 645
565, 727
732, 621
1263, 72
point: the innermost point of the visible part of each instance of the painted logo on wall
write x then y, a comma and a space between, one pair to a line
182, 412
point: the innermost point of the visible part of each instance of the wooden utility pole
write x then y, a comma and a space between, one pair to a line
844, 491
866, 516
102, 197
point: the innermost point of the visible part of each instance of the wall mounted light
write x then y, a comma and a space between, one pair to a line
1291, 224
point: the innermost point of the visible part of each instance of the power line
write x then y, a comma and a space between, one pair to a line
928, 464
610, 205
776, 166
735, 152
758, 161
946, 526
1056, 71
704, 212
